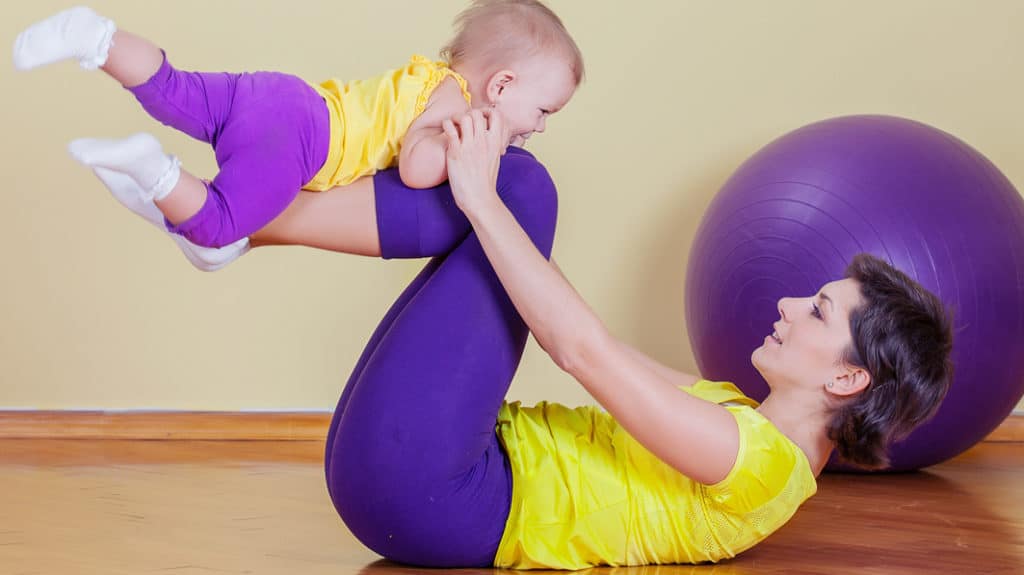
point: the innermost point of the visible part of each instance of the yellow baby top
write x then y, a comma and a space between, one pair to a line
369, 118
586, 493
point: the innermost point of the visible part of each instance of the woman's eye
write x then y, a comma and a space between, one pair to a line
815, 310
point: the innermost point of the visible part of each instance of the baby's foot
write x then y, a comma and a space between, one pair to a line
126, 191
77, 33
140, 156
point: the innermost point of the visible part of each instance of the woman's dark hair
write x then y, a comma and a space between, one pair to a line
902, 335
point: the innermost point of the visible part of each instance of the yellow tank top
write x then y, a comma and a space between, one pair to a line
370, 117
586, 493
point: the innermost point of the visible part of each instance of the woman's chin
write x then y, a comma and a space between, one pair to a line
755, 356
757, 359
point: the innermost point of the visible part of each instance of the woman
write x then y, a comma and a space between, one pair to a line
428, 465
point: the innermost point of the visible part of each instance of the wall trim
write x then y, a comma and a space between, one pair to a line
229, 425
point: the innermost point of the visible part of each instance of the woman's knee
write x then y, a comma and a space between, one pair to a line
528, 191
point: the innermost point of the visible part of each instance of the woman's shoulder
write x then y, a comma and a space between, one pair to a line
720, 392
768, 464
767, 461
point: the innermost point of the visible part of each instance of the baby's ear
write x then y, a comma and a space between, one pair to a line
497, 83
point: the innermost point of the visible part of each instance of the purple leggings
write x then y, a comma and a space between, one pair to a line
413, 463
270, 133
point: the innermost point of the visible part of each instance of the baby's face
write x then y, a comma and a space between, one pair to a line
544, 84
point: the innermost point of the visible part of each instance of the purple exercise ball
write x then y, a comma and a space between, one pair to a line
793, 215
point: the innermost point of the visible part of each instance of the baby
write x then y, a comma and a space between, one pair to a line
274, 134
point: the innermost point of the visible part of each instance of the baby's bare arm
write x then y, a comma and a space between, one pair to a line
422, 161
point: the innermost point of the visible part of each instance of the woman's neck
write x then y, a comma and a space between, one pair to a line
804, 421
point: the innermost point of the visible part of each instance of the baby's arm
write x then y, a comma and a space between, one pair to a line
422, 162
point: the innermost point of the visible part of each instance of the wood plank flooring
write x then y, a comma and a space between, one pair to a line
209, 507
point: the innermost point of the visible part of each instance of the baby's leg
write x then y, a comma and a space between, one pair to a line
133, 60
248, 192
195, 103
176, 193
414, 466
126, 191
139, 156
77, 33
272, 111
270, 133
80, 33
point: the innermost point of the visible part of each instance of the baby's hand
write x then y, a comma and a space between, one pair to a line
474, 154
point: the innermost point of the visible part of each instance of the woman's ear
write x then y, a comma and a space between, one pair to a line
850, 381
497, 84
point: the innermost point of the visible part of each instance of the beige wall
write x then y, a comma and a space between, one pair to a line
99, 310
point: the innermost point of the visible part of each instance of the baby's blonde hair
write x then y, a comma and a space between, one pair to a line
492, 32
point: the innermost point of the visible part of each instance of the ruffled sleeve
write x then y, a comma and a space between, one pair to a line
436, 73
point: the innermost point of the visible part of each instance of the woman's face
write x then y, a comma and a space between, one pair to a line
806, 344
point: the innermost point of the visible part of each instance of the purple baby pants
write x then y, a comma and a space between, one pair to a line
413, 463
270, 133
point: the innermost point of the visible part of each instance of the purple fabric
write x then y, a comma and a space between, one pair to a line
270, 133
414, 466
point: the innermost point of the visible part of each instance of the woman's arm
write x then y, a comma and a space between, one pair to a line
696, 437
676, 377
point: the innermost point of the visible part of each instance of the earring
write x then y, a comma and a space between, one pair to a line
829, 385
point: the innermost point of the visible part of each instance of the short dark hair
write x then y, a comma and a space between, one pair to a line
901, 335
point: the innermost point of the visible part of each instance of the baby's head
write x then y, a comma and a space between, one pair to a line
518, 58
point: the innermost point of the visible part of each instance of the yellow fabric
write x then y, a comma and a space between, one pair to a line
586, 493
369, 118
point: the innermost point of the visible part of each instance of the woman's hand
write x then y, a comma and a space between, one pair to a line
474, 153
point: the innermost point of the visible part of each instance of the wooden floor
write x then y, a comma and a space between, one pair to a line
184, 507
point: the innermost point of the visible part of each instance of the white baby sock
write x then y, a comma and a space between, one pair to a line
76, 33
140, 156
126, 191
